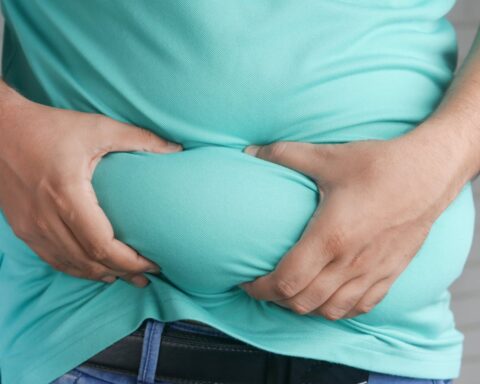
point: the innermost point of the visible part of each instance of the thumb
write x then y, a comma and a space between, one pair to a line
307, 158
119, 136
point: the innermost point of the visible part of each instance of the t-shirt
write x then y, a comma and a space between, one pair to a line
216, 76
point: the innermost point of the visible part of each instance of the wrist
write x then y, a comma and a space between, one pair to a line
458, 138
448, 152
9, 97
12, 106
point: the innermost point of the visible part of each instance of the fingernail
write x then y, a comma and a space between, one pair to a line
252, 149
139, 281
174, 146
154, 269
109, 279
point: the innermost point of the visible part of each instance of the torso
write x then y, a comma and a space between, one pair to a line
216, 78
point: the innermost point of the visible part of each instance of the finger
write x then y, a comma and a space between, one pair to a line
83, 215
321, 242
61, 265
371, 298
47, 236
50, 236
56, 261
72, 253
345, 298
326, 284
138, 280
307, 158
379, 290
119, 136
66, 267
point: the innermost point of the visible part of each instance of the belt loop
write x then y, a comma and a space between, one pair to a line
150, 351
278, 369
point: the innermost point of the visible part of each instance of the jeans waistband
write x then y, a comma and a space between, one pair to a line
192, 352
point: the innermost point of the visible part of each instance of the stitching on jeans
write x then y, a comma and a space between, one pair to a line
151, 337
200, 329
147, 359
123, 371
205, 339
207, 347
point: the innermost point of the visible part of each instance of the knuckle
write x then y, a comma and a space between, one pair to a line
56, 264
40, 223
145, 133
333, 313
21, 230
96, 272
144, 137
360, 263
364, 307
299, 308
325, 151
58, 193
284, 288
99, 252
347, 302
100, 121
335, 243
276, 149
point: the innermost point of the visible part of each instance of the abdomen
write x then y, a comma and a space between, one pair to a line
213, 217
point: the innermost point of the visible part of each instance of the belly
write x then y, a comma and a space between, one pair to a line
213, 217
215, 81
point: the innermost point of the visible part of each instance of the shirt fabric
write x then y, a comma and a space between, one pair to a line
217, 76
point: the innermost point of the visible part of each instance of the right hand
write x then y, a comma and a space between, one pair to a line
47, 159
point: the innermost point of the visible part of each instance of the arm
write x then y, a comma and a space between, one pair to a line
341, 266
455, 124
47, 157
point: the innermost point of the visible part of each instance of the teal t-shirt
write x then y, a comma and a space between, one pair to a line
216, 76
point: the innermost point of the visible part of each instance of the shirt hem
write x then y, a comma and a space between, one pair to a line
393, 362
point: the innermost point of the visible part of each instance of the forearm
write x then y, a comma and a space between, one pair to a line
12, 104
8, 95
453, 129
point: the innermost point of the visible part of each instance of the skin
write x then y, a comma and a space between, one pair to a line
378, 201
47, 158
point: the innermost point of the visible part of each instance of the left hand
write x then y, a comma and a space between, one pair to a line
378, 201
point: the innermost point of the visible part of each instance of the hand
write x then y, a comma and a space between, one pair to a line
47, 159
378, 201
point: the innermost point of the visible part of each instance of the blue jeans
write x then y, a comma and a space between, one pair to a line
84, 374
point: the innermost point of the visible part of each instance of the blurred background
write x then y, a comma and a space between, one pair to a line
466, 290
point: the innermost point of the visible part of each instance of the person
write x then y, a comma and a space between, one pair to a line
293, 177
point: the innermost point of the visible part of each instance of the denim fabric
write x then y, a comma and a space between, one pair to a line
84, 374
